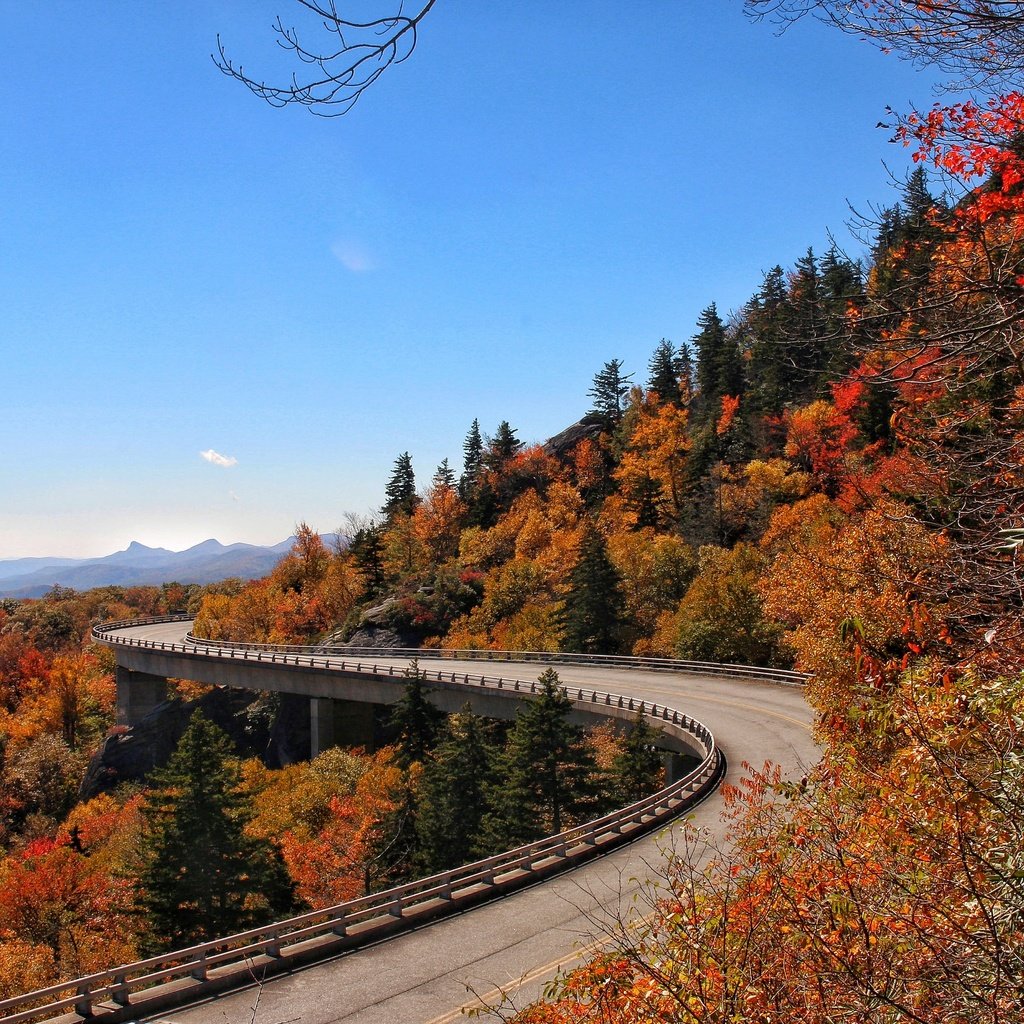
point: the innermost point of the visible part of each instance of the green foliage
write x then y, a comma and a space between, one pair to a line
637, 771
663, 371
609, 389
546, 776
593, 614
416, 719
719, 366
721, 618
400, 491
453, 794
202, 874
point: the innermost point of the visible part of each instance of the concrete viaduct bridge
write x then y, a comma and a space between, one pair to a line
332, 965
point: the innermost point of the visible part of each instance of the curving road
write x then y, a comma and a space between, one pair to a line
517, 943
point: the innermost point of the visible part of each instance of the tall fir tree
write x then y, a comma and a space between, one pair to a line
683, 365
609, 391
663, 370
368, 555
472, 463
453, 794
400, 491
202, 874
416, 719
546, 777
719, 366
637, 770
767, 316
502, 448
593, 613
444, 476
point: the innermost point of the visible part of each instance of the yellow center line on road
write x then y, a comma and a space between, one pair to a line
485, 1000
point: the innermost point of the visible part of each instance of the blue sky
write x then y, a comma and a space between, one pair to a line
540, 188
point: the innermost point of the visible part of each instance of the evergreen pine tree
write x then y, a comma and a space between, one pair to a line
663, 369
416, 719
594, 610
808, 341
502, 448
202, 875
368, 555
401, 489
609, 389
637, 771
767, 316
719, 366
453, 794
472, 463
546, 776
444, 476
683, 365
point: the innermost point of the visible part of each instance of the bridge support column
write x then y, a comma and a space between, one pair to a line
321, 725
137, 694
339, 723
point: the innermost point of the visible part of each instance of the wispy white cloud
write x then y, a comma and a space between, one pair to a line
353, 256
217, 459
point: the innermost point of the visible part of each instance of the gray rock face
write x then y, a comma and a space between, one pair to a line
130, 755
379, 637
563, 442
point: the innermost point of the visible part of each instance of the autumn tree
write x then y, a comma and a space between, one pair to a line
654, 470
203, 875
68, 910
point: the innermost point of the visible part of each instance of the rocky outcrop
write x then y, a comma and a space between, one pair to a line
130, 754
562, 444
381, 627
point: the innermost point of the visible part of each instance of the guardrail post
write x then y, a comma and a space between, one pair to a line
199, 969
396, 908
122, 993
340, 927
83, 1002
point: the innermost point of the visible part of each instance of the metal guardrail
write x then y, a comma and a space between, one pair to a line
182, 975
784, 677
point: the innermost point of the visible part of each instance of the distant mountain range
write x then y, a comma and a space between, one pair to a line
139, 565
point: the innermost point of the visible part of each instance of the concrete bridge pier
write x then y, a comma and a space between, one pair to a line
339, 723
677, 765
137, 694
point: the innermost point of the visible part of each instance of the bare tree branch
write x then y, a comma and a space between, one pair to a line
978, 43
353, 56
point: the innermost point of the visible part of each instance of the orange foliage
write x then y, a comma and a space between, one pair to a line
52, 896
348, 855
656, 451
729, 407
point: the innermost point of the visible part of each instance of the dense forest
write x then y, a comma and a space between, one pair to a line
829, 477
